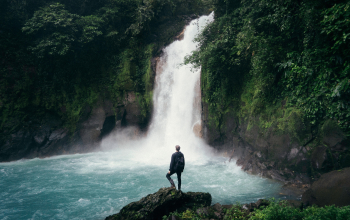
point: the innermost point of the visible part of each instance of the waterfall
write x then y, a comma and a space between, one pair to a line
176, 90
177, 94
177, 107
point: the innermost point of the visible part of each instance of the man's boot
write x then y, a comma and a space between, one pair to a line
172, 184
179, 186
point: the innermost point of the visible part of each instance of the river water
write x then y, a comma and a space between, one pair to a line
127, 168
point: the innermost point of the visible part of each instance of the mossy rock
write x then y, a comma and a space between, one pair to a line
156, 205
330, 189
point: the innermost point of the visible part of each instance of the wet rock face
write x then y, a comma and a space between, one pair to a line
47, 136
277, 155
331, 188
166, 200
132, 110
30, 140
90, 129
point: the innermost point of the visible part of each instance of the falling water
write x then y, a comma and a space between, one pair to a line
176, 106
95, 185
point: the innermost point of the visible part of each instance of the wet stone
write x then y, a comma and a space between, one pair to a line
155, 206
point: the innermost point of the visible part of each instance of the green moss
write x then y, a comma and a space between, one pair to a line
73, 108
145, 98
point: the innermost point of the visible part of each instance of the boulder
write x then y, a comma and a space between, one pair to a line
156, 205
331, 188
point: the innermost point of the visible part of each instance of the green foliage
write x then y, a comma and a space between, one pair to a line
219, 82
280, 211
62, 56
62, 25
73, 108
259, 54
188, 214
57, 31
276, 210
336, 25
326, 213
236, 212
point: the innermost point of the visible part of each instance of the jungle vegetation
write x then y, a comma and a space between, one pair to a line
60, 56
275, 64
281, 64
276, 210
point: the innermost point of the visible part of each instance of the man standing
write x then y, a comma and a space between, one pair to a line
177, 166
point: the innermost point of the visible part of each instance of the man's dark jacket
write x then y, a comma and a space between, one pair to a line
174, 159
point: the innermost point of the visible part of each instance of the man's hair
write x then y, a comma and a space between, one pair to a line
177, 147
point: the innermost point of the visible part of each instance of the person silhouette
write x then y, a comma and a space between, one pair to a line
177, 165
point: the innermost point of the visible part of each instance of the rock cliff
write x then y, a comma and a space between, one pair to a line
277, 155
47, 136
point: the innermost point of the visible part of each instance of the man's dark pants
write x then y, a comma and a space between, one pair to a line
178, 178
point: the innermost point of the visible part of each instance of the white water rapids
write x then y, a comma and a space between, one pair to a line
95, 185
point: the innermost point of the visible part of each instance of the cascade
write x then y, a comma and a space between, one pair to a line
177, 107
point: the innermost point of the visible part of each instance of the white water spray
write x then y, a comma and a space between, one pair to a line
176, 107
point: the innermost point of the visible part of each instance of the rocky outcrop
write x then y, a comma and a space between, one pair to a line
47, 136
166, 200
190, 206
331, 188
